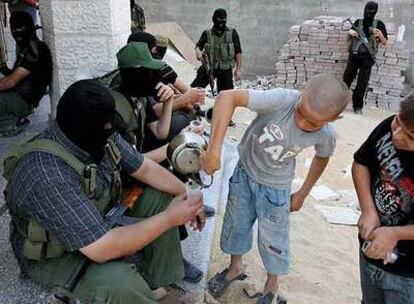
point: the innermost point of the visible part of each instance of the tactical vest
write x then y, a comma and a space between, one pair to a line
131, 110
357, 44
39, 243
221, 49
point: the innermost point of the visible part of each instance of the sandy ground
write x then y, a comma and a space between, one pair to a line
324, 257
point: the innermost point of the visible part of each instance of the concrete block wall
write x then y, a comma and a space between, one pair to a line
320, 45
84, 37
264, 25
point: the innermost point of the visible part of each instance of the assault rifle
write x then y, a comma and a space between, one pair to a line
363, 39
209, 71
114, 217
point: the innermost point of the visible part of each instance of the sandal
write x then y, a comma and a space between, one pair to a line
218, 284
267, 298
191, 273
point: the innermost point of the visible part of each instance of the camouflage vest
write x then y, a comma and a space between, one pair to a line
357, 44
39, 243
131, 110
221, 49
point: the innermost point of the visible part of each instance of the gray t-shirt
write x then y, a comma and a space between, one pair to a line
272, 141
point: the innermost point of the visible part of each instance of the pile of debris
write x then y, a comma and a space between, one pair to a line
321, 45
261, 83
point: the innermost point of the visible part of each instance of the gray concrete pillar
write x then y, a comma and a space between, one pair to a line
83, 36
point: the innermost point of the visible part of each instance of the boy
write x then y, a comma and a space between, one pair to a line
288, 121
383, 173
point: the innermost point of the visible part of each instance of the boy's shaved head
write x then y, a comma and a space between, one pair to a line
327, 96
323, 100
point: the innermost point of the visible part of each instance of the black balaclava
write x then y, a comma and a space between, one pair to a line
139, 82
156, 52
147, 38
371, 9
220, 20
159, 53
82, 112
22, 26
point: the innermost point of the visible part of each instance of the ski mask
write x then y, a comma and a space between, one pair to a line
371, 9
157, 51
147, 38
140, 82
220, 20
82, 113
21, 26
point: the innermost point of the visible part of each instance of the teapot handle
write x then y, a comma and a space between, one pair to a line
196, 177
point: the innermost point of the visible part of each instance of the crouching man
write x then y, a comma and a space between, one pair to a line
60, 185
22, 87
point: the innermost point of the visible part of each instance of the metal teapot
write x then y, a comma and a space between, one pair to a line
184, 152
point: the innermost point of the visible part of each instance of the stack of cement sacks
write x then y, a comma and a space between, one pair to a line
321, 45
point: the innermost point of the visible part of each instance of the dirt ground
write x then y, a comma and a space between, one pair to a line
324, 257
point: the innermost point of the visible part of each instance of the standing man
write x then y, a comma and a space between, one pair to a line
24, 85
137, 17
361, 55
222, 45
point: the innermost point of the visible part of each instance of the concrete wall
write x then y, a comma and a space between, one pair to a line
84, 37
263, 25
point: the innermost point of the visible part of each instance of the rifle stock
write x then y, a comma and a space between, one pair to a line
114, 217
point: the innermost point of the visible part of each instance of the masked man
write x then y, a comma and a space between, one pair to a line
22, 87
63, 182
222, 45
29, 6
141, 87
185, 98
360, 56
137, 17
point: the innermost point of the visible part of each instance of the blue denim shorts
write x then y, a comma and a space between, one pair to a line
248, 201
382, 287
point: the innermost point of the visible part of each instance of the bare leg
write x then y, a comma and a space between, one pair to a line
272, 284
236, 267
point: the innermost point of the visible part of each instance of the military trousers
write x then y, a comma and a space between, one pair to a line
126, 280
12, 108
224, 79
360, 66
